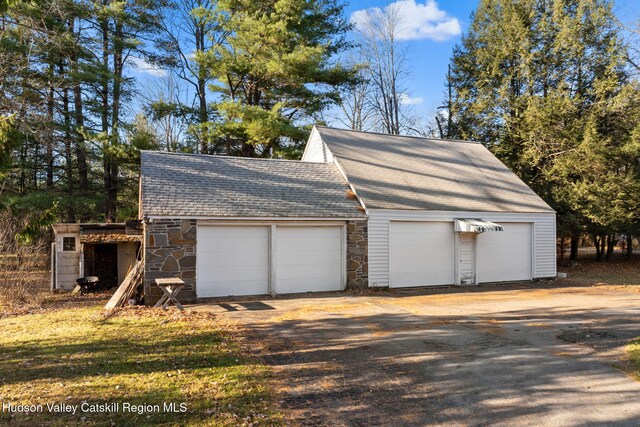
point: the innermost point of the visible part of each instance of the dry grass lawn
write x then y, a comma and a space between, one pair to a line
61, 348
617, 271
141, 356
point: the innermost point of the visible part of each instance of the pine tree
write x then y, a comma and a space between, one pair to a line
274, 72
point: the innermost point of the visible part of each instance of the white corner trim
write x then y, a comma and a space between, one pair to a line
273, 233
344, 175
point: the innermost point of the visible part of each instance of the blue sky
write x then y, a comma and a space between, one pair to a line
429, 54
428, 57
434, 27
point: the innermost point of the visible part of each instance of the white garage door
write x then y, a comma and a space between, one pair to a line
505, 255
421, 254
308, 259
232, 260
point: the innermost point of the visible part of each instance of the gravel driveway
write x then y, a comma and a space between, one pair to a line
518, 355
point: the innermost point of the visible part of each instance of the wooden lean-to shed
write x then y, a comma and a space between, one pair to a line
107, 251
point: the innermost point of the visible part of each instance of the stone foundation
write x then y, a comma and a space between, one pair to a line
357, 255
170, 251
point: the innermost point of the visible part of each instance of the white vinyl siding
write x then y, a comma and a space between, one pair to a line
544, 234
308, 259
378, 251
544, 249
316, 151
505, 256
421, 254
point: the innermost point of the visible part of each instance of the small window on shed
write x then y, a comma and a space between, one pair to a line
68, 244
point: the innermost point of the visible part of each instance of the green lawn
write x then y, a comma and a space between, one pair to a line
139, 357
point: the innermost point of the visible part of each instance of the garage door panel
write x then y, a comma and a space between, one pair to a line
232, 260
247, 272
230, 245
505, 255
247, 246
308, 259
301, 243
312, 284
302, 257
421, 253
309, 271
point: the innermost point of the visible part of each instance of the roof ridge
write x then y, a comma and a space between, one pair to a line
402, 136
218, 156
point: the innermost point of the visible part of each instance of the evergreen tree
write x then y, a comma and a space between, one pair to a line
540, 82
273, 72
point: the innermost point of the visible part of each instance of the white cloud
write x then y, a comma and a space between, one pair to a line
417, 21
143, 66
405, 99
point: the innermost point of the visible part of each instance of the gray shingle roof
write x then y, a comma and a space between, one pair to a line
194, 185
400, 172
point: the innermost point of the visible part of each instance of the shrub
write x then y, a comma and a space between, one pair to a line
24, 267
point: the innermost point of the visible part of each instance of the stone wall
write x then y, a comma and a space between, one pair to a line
357, 255
170, 251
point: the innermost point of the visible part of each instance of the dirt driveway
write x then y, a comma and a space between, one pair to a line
518, 355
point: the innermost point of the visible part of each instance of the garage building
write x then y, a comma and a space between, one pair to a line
360, 210
440, 212
233, 226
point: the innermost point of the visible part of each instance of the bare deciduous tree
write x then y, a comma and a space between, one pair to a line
190, 29
163, 96
386, 67
378, 99
23, 267
355, 112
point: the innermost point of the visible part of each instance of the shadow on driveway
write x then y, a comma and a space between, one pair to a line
518, 356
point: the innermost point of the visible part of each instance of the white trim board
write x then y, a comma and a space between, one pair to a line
249, 219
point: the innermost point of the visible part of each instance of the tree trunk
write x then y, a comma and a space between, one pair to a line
611, 244
80, 147
104, 113
203, 115
67, 149
51, 139
629, 245
598, 241
248, 150
112, 168
575, 241
23, 165
449, 103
